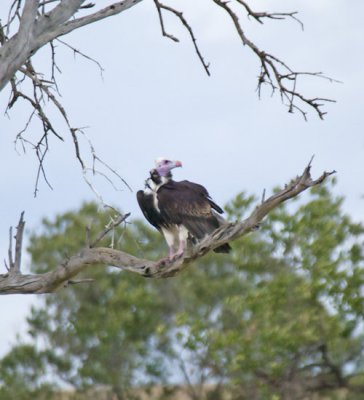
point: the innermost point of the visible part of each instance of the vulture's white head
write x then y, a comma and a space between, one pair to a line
164, 166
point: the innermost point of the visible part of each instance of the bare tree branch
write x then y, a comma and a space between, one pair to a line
51, 281
108, 228
38, 27
161, 21
183, 20
15, 263
43, 89
259, 16
39, 23
274, 72
76, 51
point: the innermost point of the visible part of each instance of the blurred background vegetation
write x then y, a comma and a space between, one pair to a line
280, 318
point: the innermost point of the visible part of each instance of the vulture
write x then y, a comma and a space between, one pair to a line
179, 210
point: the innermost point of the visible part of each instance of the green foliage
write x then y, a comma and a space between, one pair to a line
21, 373
279, 318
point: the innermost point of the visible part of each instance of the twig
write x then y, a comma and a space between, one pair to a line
161, 21
10, 249
114, 172
15, 263
77, 147
263, 196
279, 16
54, 66
108, 228
185, 23
13, 14
18, 243
97, 159
75, 51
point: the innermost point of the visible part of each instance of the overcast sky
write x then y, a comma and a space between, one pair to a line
155, 99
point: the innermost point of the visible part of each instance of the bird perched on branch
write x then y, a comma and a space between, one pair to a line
179, 210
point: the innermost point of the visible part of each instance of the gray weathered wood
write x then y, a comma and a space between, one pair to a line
35, 31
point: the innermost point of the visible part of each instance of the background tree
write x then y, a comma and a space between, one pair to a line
279, 318
22, 373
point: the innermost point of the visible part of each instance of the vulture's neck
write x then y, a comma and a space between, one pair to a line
156, 181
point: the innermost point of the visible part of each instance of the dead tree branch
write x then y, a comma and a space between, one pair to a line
36, 30
185, 23
273, 71
15, 282
41, 23
15, 263
33, 24
108, 228
259, 16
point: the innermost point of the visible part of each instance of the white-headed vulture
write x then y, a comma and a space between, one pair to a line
179, 210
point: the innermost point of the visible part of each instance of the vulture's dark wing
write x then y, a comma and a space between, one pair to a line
146, 204
189, 204
202, 192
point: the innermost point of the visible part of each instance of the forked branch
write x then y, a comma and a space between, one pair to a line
15, 282
274, 72
185, 23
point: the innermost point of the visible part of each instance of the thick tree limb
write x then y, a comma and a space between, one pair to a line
15, 282
45, 28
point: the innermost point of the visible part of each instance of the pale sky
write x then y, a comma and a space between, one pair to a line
155, 100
